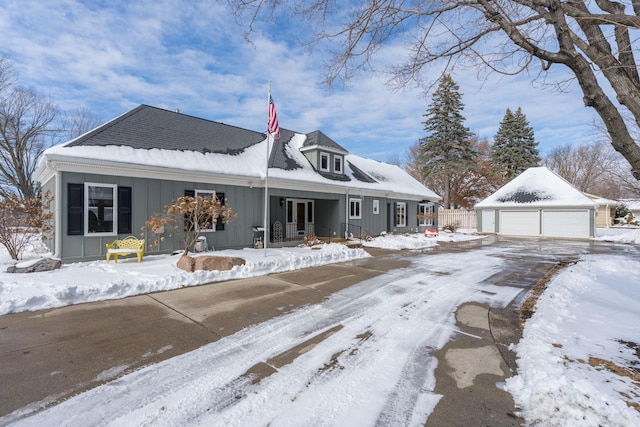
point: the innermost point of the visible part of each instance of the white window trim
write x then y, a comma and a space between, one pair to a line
114, 209
337, 158
206, 193
358, 203
376, 207
328, 157
401, 206
424, 209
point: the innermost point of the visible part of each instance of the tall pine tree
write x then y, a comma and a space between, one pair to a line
514, 146
446, 152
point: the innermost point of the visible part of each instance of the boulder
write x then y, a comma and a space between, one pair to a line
208, 263
219, 263
186, 263
43, 264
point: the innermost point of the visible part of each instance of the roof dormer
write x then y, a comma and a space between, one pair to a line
325, 155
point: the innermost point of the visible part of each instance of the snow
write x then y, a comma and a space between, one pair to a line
380, 338
98, 280
249, 165
538, 187
619, 235
587, 315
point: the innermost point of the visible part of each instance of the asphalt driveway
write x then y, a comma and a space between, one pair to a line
48, 356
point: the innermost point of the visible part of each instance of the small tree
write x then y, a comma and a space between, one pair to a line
20, 219
191, 215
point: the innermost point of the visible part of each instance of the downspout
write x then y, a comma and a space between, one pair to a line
346, 214
57, 239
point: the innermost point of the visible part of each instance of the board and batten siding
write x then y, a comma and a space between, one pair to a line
150, 196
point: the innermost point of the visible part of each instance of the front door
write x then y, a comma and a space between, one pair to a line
299, 218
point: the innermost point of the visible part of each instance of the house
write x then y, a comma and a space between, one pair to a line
538, 203
606, 213
109, 181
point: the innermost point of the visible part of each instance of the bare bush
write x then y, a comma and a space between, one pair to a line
189, 215
20, 219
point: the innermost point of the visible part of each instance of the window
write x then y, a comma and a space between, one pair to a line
98, 209
355, 208
337, 164
425, 214
401, 214
100, 205
324, 162
207, 194
376, 207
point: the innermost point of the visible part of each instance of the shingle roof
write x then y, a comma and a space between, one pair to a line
318, 138
152, 137
147, 127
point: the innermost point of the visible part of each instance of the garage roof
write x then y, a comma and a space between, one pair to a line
537, 187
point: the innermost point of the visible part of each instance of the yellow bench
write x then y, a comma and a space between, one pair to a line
127, 246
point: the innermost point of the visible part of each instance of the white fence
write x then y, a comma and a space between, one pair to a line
457, 218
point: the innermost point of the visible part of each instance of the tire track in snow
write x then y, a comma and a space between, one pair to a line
386, 378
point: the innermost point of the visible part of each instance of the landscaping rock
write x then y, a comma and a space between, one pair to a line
220, 263
44, 264
208, 263
186, 263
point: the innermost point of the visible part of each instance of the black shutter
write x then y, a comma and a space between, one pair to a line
220, 221
188, 193
124, 210
395, 214
75, 209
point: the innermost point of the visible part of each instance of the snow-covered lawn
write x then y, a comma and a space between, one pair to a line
98, 280
578, 362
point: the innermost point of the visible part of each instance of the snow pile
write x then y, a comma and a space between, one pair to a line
578, 358
98, 280
619, 235
418, 240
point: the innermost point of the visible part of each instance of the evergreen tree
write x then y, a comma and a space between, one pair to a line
446, 152
514, 146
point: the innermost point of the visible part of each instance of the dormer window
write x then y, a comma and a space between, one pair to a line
337, 164
324, 162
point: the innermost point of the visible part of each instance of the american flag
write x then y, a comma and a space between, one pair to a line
272, 126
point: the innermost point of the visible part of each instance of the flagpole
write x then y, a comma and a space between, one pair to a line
266, 182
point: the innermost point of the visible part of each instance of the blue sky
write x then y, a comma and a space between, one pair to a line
111, 56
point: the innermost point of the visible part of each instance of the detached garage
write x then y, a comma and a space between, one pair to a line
538, 203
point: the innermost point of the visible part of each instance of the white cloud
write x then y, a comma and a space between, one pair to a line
193, 56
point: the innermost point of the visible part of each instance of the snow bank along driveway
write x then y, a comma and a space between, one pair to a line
366, 356
373, 365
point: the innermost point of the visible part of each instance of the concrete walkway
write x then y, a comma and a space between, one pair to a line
48, 356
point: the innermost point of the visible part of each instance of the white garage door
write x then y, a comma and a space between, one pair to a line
565, 223
520, 223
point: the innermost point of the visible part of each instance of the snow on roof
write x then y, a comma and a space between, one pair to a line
146, 136
537, 187
631, 204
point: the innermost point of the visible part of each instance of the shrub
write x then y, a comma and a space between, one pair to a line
450, 227
21, 218
189, 215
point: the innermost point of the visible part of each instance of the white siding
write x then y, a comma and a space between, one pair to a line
520, 223
488, 221
566, 223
